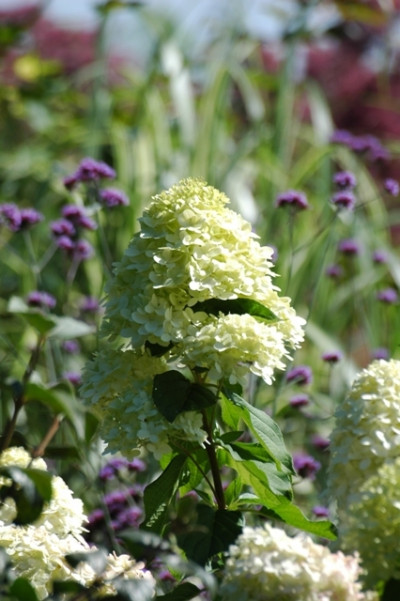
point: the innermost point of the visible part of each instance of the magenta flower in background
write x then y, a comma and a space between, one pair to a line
82, 250
89, 305
349, 247
334, 271
71, 347
29, 217
320, 511
38, 298
380, 353
62, 227
78, 217
379, 256
368, 144
292, 198
65, 243
391, 186
89, 170
16, 219
10, 215
320, 442
388, 296
299, 400
300, 374
332, 356
345, 179
344, 199
74, 377
305, 465
111, 197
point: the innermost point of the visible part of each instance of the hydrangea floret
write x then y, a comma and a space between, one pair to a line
364, 469
181, 298
266, 564
37, 550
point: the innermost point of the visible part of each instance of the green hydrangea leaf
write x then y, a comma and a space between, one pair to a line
239, 306
173, 393
214, 532
157, 495
22, 590
30, 489
262, 426
183, 592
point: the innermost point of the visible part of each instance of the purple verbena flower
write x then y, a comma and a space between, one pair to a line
349, 247
82, 250
65, 243
320, 442
29, 217
129, 517
10, 215
62, 227
299, 400
332, 356
345, 180
78, 217
38, 298
89, 305
73, 377
95, 517
111, 197
71, 347
89, 170
391, 186
388, 296
300, 374
305, 465
320, 511
379, 256
136, 465
334, 271
344, 199
380, 353
292, 198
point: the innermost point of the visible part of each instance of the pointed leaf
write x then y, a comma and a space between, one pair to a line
22, 590
238, 306
214, 532
170, 392
183, 592
266, 431
30, 489
66, 328
157, 495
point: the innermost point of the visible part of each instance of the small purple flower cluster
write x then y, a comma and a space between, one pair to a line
305, 465
16, 219
92, 171
41, 299
292, 198
362, 144
391, 186
122, 508
300, 374
113, 468
89, 170
345, 181
67, 231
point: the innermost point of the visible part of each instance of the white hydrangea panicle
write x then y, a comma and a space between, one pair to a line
364, 476
266, 564
191, 248
367, 430
37, 551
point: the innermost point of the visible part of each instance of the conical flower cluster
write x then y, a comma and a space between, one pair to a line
194, 291
364, 473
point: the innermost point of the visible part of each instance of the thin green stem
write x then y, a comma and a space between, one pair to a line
212, 457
